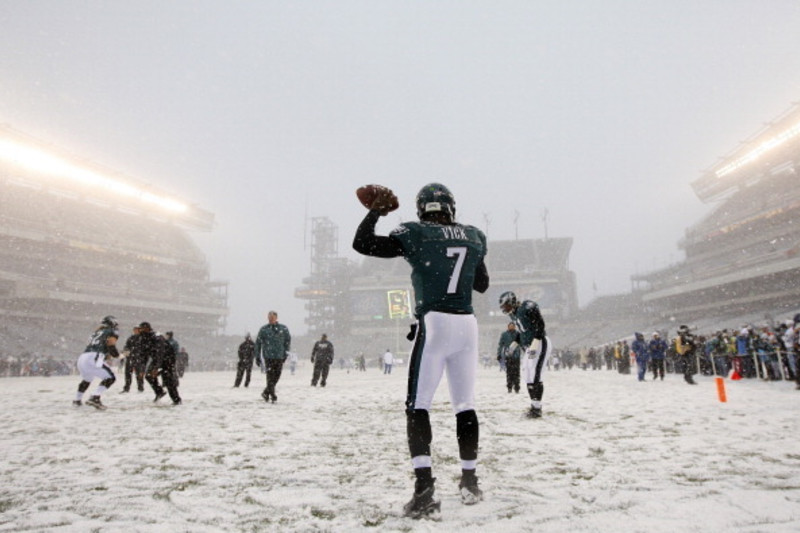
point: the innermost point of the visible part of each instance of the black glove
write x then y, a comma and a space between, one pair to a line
412, 331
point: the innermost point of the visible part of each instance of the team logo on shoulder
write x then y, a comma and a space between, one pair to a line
400, 229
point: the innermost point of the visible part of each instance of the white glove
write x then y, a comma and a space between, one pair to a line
534, 349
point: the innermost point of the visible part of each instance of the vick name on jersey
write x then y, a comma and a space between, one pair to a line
452, 252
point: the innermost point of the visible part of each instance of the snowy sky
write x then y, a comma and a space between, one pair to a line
610, 455
601, 112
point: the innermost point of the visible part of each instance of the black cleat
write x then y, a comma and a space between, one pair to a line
177, 402
159, 395
422, 504
470, 492
95, 402
534, 412
76, 403
265, 396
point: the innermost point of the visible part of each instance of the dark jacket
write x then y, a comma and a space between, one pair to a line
247, 351
157, 351
273, 342
132, 346
322, 353
658, 348
639, 347
685, 344
507, 338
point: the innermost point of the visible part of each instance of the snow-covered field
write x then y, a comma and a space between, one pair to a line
611, 454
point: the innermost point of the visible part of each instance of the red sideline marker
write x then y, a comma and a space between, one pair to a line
721, 390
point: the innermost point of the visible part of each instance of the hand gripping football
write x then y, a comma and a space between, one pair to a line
377, 197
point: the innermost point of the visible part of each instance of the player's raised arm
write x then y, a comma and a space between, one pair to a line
380, 201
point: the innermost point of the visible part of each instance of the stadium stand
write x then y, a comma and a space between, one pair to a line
742, 260
743, 256
71, 254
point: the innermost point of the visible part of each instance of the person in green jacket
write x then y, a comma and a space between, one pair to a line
272, 348
508, 350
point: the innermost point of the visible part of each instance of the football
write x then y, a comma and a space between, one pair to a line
369, 193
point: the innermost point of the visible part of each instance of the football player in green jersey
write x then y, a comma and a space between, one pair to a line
531, 336
92, 362
447, 261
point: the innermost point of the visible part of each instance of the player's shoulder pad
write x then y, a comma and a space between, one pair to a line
474, 232
403, 228
470, 227
529, 305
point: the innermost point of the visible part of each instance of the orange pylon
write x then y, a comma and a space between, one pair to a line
721, 390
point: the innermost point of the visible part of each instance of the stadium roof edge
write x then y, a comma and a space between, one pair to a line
190, 216
734, 170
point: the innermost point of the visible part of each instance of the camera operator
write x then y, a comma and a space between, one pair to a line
686, 348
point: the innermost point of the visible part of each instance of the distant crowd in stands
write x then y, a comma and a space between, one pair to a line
32, 365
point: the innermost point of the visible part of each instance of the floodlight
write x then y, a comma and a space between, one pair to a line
39, 161
758, 151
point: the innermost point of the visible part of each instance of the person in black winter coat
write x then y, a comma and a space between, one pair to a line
321, 357
161, 358
685, 348
133, 362
244, 367
658, 352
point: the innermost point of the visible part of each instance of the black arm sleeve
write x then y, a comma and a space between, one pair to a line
481, 282
537, 322
367, 243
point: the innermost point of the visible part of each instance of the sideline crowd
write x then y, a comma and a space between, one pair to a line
766, 352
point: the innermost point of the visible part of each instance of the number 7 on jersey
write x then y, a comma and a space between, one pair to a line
460, 253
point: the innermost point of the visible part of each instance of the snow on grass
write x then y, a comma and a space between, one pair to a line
610, 454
